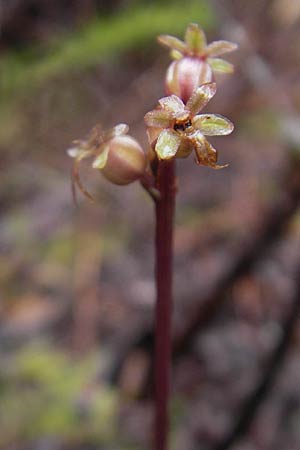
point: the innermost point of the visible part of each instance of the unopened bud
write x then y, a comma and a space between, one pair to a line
185, 75
122, 160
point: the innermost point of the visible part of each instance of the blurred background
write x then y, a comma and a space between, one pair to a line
76, 285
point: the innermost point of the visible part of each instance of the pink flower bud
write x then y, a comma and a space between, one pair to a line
125, 160
185, 75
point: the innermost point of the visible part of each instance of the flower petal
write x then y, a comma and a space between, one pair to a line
201, 97
79, 153
172, 103
206, 154
167, 144
152, 134
185, 148
159, 118
175, 54
74, 152
101, 159
220, 65
212, 124
195, 38
218, 48
172, 42
118, 130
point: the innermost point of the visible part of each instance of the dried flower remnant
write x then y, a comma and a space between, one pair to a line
176, 129
195, 61
119, 157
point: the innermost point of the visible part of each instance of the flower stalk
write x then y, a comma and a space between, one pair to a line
165, 209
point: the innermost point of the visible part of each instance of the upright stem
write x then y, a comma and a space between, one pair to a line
165, 208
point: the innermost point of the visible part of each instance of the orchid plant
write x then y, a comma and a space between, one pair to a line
175, 129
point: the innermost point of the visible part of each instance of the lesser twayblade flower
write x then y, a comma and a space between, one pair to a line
195, 61
176, 129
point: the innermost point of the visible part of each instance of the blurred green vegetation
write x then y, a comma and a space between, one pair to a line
264, 122
46, 394
97, 41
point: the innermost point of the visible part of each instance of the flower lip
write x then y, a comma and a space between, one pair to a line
182, 126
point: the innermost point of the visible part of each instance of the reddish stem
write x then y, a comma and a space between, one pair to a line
165, 208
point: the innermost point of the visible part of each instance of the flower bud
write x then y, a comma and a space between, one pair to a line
185, 75
122, 160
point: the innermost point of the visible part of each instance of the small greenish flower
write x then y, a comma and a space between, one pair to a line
119, 157
195, 61
195, 45
176, 129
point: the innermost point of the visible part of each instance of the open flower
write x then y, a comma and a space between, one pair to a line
119, 157
195, 61
176, 129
